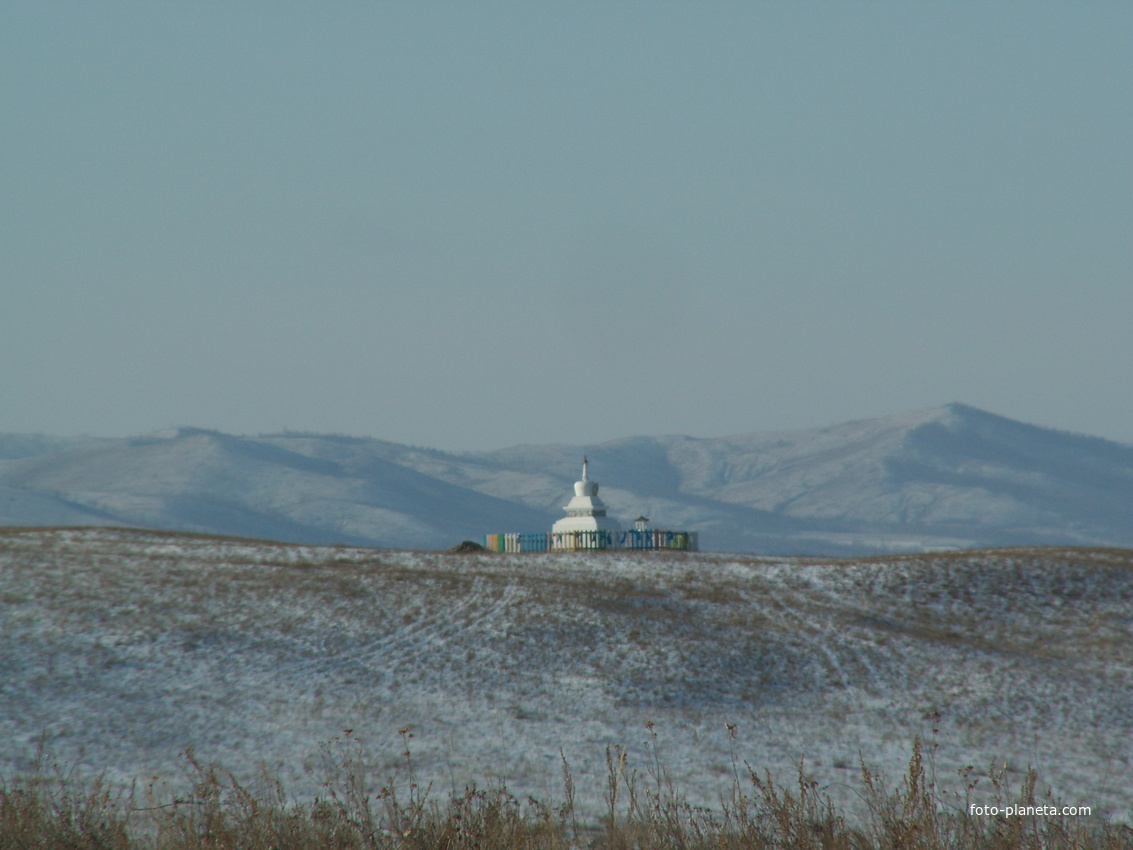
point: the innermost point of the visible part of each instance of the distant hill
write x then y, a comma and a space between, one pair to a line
947, 477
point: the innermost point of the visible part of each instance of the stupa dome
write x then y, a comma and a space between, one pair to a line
585, 487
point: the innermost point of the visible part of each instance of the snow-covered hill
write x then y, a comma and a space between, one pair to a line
121, 648
948, 477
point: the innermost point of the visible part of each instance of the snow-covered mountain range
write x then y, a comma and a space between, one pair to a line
947, 477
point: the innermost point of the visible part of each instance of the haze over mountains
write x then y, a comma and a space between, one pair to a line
947, 477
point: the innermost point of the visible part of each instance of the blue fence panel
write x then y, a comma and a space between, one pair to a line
533, 542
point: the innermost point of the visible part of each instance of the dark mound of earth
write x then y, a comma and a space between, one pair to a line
468, 546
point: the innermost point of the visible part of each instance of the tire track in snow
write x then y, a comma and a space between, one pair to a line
415, 645
811, 613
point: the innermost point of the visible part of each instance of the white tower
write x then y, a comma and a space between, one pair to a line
585, 512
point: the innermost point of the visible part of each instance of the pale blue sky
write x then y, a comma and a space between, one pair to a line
473, 225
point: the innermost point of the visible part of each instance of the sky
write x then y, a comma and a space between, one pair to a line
474, 225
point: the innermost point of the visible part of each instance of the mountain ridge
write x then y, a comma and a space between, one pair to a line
945, 477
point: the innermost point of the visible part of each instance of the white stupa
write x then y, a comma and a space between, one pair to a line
585, 512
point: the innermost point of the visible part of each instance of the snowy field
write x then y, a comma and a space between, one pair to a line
120, 649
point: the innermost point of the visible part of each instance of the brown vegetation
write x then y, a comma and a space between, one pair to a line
51, 809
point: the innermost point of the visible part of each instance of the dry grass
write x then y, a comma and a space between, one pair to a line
644, 809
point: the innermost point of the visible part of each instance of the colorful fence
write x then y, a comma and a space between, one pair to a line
517, 542
565, 541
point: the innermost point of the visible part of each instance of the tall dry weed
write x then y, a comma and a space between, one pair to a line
644, 808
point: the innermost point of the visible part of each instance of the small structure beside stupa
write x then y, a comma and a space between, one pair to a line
587, 526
